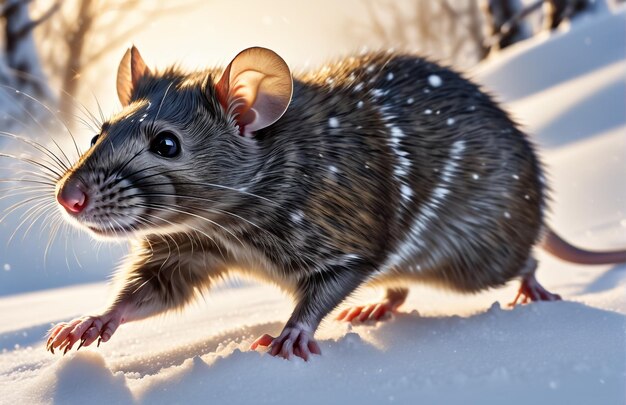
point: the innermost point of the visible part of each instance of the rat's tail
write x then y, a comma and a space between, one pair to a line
557, 246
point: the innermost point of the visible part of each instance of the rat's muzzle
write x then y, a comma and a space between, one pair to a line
72, 197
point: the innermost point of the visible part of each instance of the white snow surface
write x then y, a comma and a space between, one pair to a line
443, 347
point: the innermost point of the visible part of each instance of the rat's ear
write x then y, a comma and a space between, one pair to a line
255, 88
131, 69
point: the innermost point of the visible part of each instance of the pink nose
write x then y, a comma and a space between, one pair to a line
72, 197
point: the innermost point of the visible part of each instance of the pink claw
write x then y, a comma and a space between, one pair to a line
371, 312
292, 341
530, 290
86, 330
394, 298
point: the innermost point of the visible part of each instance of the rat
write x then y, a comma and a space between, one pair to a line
380, 169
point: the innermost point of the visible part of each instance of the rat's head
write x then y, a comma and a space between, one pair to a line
181, 149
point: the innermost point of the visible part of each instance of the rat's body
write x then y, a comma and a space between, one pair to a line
384, 169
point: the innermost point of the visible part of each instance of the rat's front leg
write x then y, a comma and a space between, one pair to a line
161, 275
317, 295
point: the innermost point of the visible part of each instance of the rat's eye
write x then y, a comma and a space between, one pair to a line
165, 144
94, 140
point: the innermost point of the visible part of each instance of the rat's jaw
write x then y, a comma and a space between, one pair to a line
110, 232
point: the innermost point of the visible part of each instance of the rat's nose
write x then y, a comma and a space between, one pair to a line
72, 197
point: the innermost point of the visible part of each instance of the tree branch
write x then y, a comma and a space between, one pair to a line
123, 36
508, 26
9, 6
34, 23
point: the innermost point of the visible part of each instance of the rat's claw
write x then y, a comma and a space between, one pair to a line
530, 290
84, 330
293, 340
371, 312
264, 340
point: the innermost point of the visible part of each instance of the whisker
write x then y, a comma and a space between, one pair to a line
40, 147
19, 204
54, 229
37, 214
83, 109
14, 180
171, 223
88, 125
24, 191
118, 225
216, 186
215, 210
136, 180
32, 162
161, 103
67, 260
102, 118
140, 178
15, 186
167, 208
53, 114
26, 215
39, 124
118, 171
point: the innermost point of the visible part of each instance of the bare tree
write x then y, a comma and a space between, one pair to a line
460, 32
448, 30
505, 17
25, 93
84, 32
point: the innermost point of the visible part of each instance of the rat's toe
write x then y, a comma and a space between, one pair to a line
292, 341
90, 335
530, 290
264, 341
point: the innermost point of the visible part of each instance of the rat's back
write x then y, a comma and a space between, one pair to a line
415, 168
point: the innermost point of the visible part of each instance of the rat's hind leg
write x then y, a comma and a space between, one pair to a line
530, 289
394, 297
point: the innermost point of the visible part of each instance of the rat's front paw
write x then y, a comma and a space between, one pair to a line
293, 340
87, 329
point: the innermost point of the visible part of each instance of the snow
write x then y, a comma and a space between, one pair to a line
442, 348
434, 80
333, 122
406, 191
297, 216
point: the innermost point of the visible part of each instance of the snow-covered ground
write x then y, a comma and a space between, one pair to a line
569, 92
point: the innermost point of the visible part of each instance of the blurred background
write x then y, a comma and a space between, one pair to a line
59, 59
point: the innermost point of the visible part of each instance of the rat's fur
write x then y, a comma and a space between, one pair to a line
385, 168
